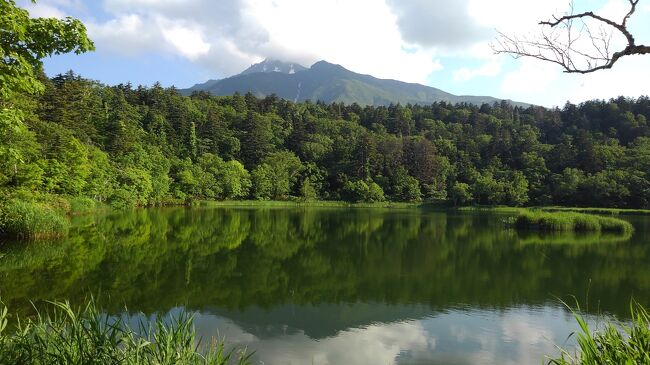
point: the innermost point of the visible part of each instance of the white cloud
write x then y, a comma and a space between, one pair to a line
529, 80
187, 41
333, 30
490, 68
227, 36
43, 10
514, 15
403, 40
127, 34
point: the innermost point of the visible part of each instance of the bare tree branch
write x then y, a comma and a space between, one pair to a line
559, 43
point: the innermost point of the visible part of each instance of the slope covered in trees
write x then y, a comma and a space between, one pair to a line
141, 146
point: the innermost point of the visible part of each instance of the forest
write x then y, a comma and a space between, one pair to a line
141, 146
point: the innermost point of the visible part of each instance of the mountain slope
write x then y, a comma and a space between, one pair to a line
329, 83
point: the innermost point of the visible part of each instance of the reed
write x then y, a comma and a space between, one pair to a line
63, 335
612, 343
22, 219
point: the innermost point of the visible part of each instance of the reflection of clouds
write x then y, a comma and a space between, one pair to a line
515, 336
374, 344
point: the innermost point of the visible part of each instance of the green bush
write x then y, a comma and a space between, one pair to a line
85, 336
569, 221
21, 219
360, 191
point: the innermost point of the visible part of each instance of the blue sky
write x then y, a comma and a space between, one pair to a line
445, 44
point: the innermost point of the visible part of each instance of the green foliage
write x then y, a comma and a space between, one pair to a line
612, 343
461, 194
25, 41
569, 221
277, 176
64, 335
360, 191
31, 220
405, 188
151, 146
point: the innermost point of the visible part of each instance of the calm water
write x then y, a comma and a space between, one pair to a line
340, 286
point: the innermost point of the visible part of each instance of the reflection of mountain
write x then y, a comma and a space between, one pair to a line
318, 321
234, 259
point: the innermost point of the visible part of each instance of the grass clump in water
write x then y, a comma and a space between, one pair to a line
65, 336
615, 343
23, 219
570, 222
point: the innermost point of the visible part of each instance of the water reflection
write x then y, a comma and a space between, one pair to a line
514, 336
339, 286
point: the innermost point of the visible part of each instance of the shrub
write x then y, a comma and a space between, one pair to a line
360, 191
21, 219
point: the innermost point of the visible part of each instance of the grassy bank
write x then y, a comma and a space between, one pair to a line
27, 216
31, 220
66, 336
496, 208
570, 222
309, 203
612, 343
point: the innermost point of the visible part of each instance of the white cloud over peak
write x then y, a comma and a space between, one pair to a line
227, 36
408, 40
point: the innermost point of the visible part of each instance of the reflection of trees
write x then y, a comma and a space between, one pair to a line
152, 260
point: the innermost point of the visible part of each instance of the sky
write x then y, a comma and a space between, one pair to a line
440, 43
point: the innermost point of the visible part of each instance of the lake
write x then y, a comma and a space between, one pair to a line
340, 286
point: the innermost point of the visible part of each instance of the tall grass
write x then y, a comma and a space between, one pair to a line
570, 222
614, 343
602, 211
22, 219
66, 336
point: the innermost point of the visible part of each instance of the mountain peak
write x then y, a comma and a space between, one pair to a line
271, 65
329, 82
322, 64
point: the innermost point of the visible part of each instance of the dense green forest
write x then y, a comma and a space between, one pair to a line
131, 146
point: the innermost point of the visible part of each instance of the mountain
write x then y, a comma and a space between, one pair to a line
330, 83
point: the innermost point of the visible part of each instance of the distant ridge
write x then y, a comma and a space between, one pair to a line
329, 83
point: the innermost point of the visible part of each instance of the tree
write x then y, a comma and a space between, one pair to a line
460, 194
24, 42
579, 42
256, 138
276, 176
360, 191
